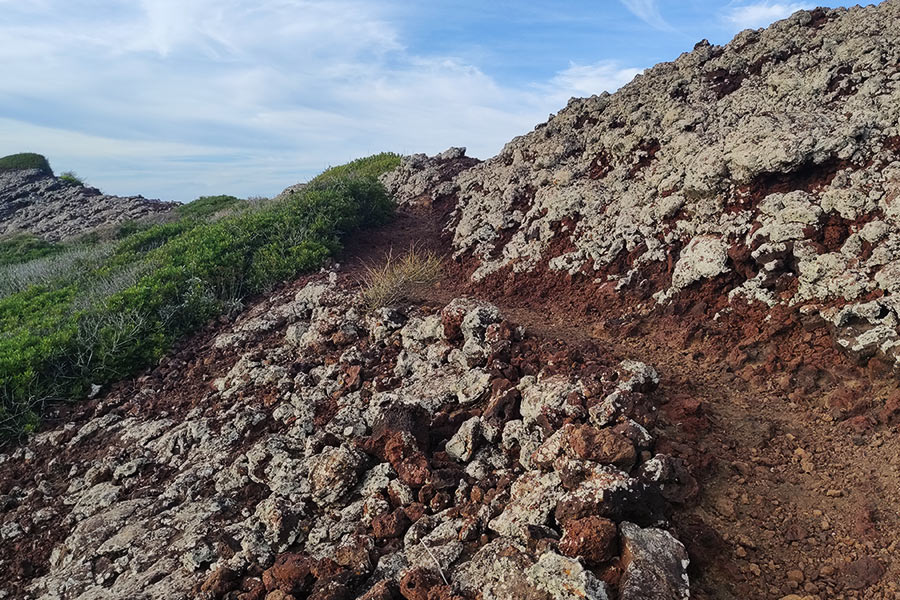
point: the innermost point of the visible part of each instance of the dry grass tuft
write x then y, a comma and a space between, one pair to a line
393, 280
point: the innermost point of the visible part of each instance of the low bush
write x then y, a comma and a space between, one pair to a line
23, 161
371, 166
61, 267
25, 247
71, 178
397, 277
207, 206
62, 330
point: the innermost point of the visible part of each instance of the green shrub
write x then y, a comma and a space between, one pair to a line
99, 321
371, 166
24, 247
71, 178
25, 160
206, 206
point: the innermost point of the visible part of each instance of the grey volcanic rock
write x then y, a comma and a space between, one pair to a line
48, 207
340, 459
769, 166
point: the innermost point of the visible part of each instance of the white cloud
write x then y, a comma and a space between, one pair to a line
177, 99
648, 11
586, 80
762, 14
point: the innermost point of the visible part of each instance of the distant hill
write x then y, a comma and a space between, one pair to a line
33, 200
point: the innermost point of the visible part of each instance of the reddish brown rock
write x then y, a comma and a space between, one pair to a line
415, 511
603, 446
383, 590
451, 321
592, 538
289, 573
220, 582
391, 525
890, 413
414, 470
862, 573
417, 583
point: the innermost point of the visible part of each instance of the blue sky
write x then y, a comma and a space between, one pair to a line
180, 98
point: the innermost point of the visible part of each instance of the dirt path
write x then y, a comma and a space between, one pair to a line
800, 492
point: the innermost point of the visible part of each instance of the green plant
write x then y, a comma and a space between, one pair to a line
71, 178
396, 278
207, 206
25, 160
75, 320
370, 166
24, 247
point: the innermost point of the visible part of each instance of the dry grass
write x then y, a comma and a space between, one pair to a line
397, 276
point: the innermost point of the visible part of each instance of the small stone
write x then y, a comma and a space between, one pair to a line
603, 446
592, 538
655, 565
391, 525
465, 441
796, 576
565, 578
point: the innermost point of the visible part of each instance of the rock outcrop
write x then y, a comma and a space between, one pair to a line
763, 173
32, 201
313, 450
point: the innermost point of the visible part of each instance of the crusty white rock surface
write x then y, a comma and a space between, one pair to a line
771, 163
360, 451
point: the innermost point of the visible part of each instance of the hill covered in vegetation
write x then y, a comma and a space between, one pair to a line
77, 315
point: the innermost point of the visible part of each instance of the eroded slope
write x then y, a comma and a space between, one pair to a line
311, 450
761, 174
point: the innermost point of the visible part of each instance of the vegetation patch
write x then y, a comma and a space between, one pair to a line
207, 206
397, 277
72, 178
24, 247
373, 166
23, 161
95, 313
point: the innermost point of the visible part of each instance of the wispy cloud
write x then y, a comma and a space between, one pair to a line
648, 11
586, 80
761, 14
177, 99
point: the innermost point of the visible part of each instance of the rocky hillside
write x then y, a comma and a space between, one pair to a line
34, 201
759, 178
313, 451
660, 363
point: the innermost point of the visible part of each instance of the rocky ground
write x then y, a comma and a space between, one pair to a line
759, 179
32, 201
428, 451
661, 362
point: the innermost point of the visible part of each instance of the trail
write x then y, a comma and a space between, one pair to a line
799, 491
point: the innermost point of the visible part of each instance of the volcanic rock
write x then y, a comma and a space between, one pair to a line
35, 202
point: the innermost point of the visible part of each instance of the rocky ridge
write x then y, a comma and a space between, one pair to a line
755, 181
420, 452
32, 201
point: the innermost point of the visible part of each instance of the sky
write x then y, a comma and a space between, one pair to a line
176, 99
